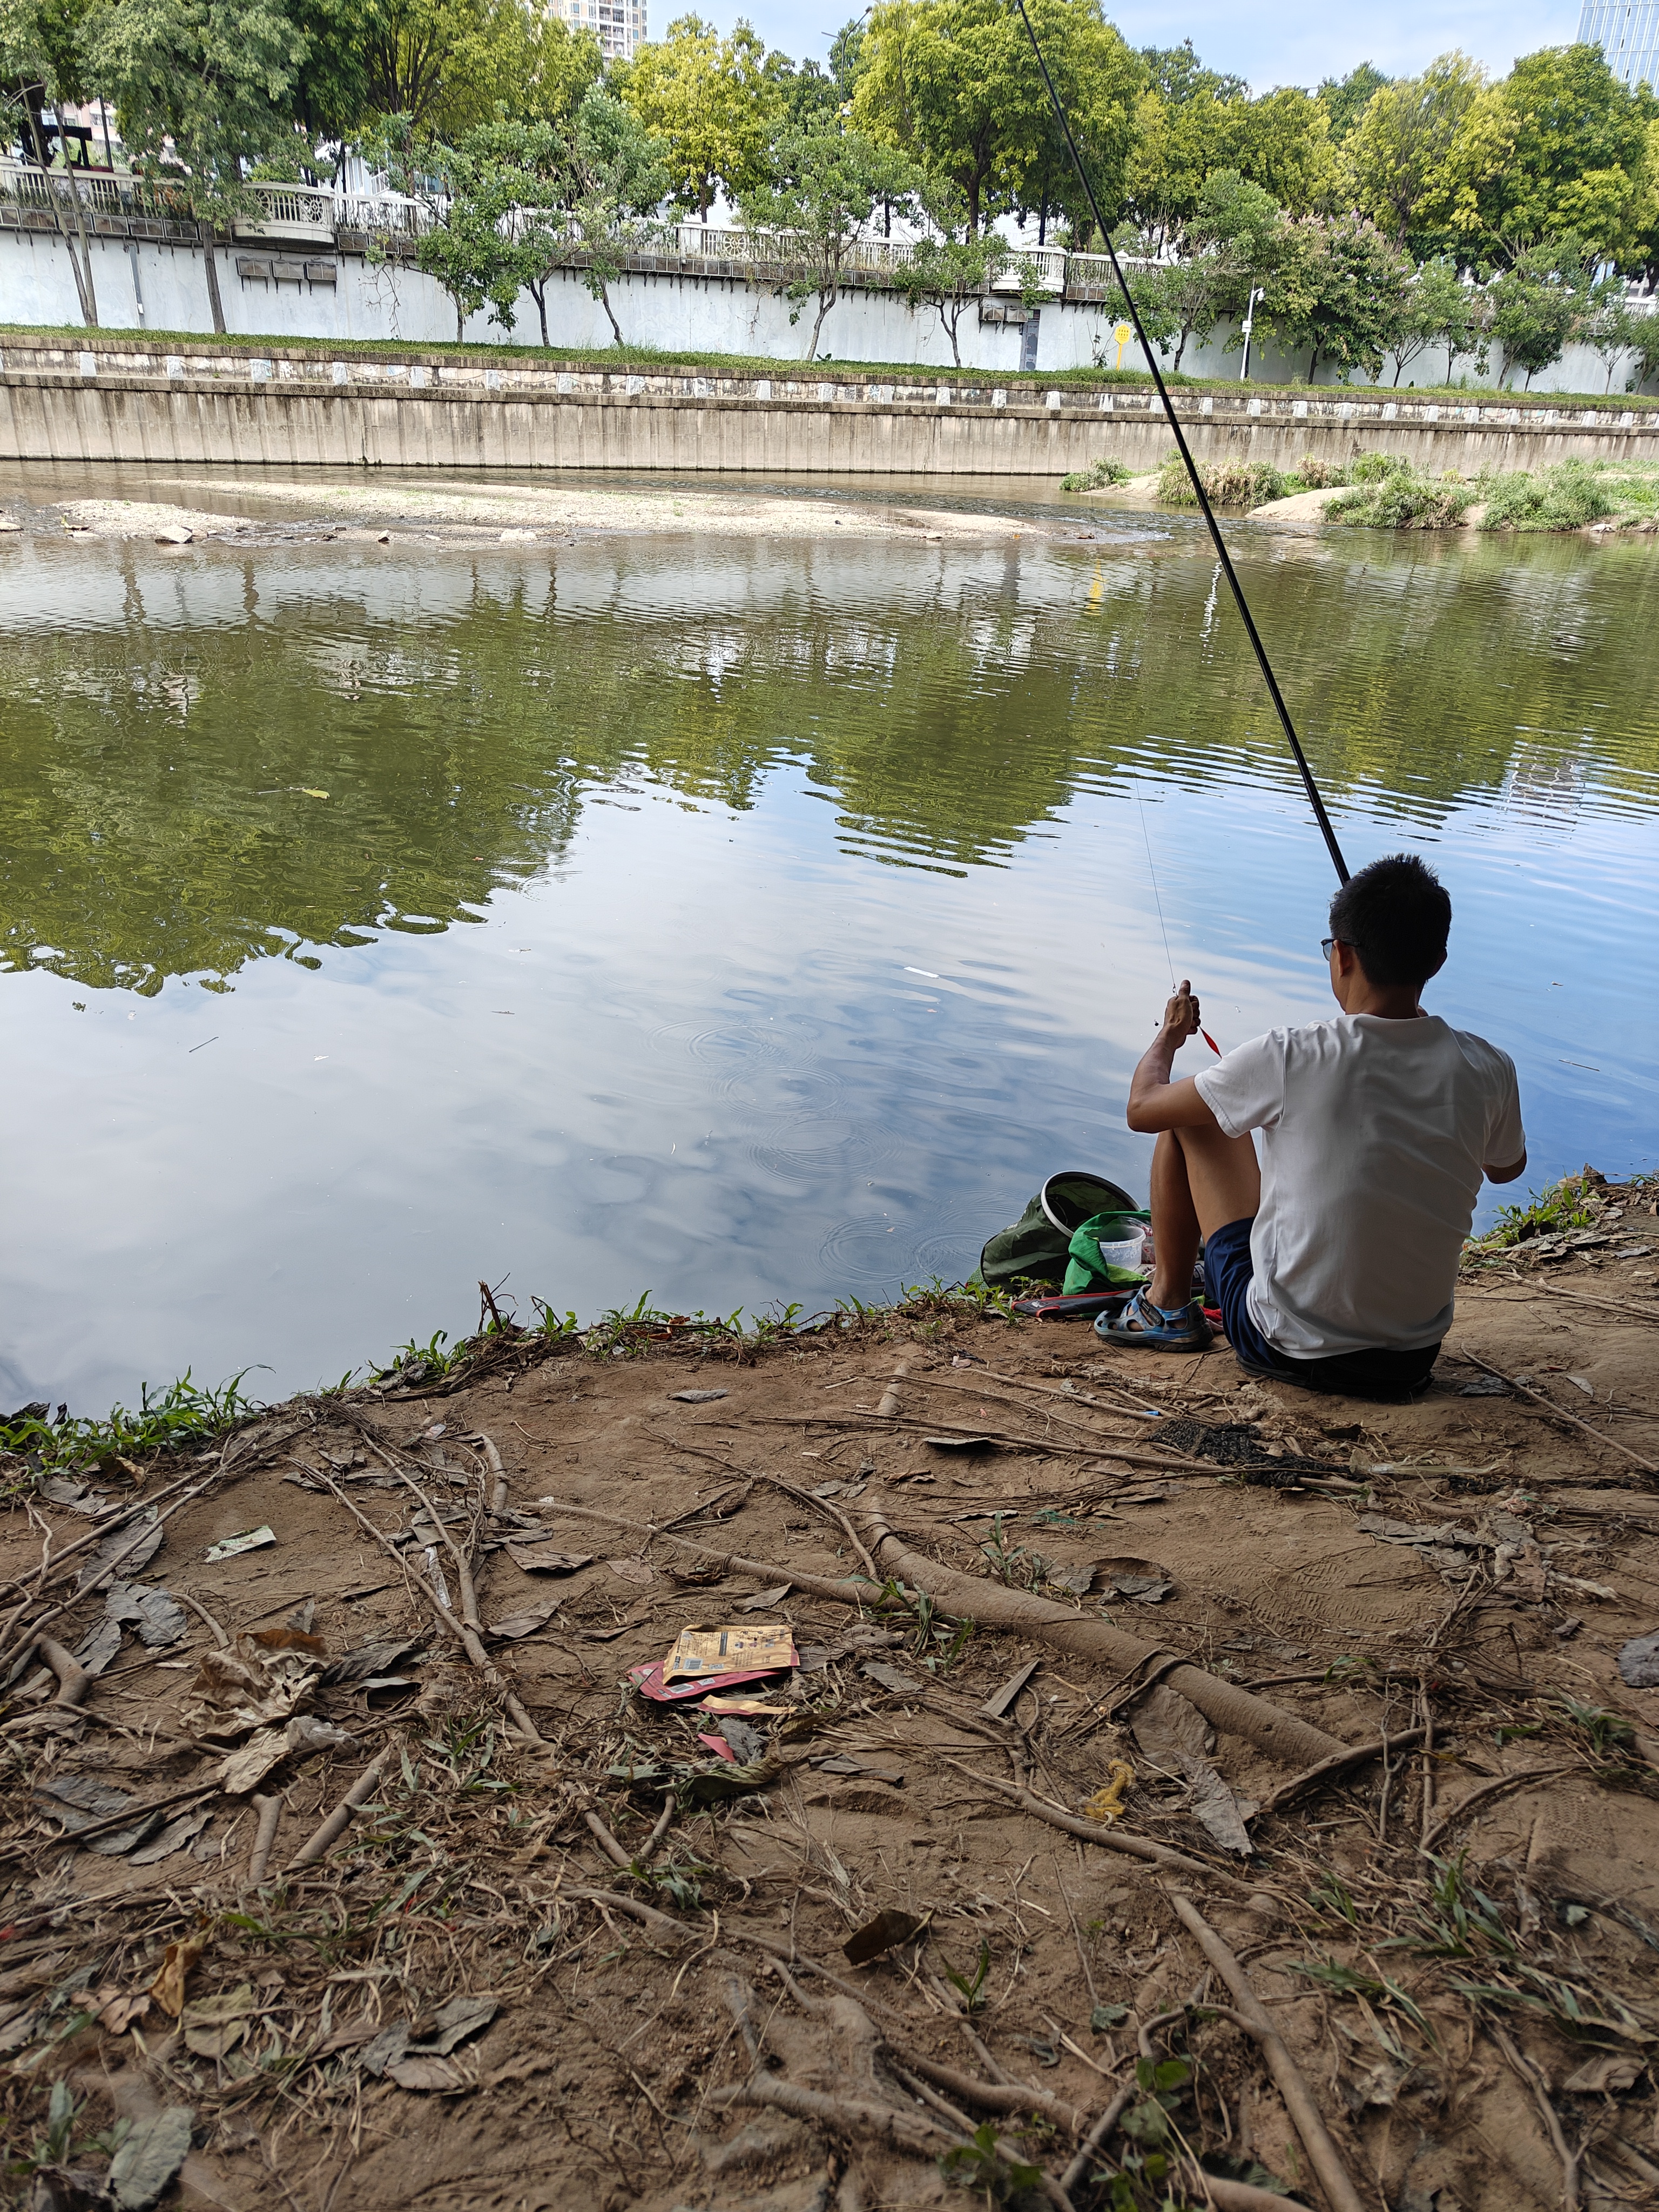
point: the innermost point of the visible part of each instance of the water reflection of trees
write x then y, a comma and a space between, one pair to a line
159, 818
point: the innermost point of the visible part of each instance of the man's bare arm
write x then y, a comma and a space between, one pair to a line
1156, 1102
1507, 1174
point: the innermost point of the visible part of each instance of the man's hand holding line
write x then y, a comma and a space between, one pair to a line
1155, 1101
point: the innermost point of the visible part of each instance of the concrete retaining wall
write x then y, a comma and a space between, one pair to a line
158, 283
109, 400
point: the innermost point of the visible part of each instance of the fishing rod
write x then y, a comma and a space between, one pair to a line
1222, 555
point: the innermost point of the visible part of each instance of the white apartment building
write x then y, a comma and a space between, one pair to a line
620, 24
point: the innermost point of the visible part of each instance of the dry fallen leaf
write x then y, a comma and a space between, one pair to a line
117, 2009
424, 2073
168, 1987
885, 1933
215, 2026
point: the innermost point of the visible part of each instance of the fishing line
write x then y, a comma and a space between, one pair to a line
1134, 785
1222, 555
1151, 870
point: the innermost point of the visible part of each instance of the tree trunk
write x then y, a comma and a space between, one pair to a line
83, 279
460, 324
216, 305
951, 323
538, 294
84, 294
605, 302
826, 300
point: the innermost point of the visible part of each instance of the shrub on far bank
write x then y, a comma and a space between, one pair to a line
1568, 496
1097, 476
1230, 481
1389, 494
1312, 474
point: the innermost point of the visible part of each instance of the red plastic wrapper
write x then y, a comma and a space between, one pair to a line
648, 1681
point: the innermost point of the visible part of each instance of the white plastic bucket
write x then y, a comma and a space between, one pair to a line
1126, 1254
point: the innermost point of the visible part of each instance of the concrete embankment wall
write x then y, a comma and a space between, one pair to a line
151, 276
109, 400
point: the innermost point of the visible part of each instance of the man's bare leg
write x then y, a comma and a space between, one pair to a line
1201, 1181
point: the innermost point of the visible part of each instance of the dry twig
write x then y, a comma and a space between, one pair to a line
1322, 2154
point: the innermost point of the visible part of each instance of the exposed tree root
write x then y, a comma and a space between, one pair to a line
1231, 1709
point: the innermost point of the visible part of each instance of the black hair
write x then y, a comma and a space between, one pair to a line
1397, 917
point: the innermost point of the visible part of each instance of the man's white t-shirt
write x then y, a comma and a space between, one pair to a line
1374, 1136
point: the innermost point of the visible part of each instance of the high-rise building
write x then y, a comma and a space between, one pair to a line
619, 24
1627, 32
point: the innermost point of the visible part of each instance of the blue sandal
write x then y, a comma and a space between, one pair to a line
1160, 1328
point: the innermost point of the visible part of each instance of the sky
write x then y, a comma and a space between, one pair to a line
1297, 42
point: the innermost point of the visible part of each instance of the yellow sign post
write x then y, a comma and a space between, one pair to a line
1122, 334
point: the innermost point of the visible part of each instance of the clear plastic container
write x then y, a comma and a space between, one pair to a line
1129, 1254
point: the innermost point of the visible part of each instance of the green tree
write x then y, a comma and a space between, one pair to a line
953, 84
1177, 144
952, 267
1233, 242
808, 98
1183, 298
1338, 287
451, 66
40, 65
1535, 304
1345, 98
1559, 147
477, 243
610, 173
711, 103
1436, 309
1281, 142
1393, 157
202, 91
1176, 74
828, 186
1610, 328
328, 101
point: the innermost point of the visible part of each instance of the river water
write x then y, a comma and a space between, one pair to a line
735, 920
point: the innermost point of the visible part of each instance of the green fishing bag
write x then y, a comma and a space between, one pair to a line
1087, 1269
1038, 1248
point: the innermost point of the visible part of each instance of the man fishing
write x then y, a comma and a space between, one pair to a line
1335, 1259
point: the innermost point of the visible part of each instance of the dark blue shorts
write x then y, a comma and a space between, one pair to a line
1378, 1374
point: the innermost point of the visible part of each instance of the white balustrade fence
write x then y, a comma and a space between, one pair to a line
317, 213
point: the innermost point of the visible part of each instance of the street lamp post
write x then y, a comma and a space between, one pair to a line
1257, 292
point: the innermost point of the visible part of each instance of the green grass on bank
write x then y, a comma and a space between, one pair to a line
439, 352
34, 1442
1387, 491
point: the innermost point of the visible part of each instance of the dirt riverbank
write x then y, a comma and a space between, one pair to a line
208, 508
567, 1955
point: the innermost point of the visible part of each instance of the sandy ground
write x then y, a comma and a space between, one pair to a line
517, 514
1300, 507
567, 1956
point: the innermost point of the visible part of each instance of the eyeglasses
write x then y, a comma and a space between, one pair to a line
1326, 943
